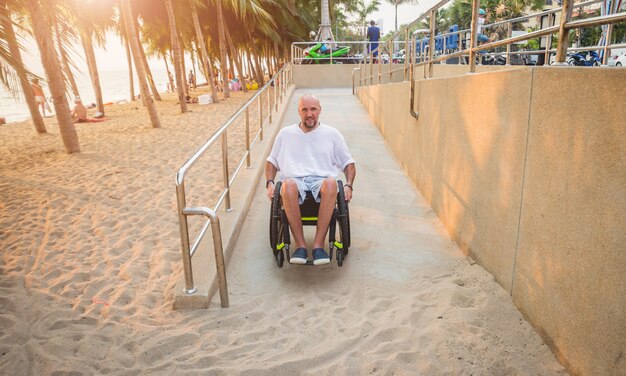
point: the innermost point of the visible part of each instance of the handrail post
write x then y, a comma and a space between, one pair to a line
609, 35
219, 261
225, 169
379, 61
508, 46
406, 52
391, 50
546, 58
248, 137
431, 43
184, 239
474, 35
443, 52
261, 118
277, 83
566, 16
269, 104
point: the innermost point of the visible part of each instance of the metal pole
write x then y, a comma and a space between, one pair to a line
566, 16
508, 46
225, 168
261, 117
474, 35
219, 260
379, 61
248, 136
184, 239
546, 59
406, 52
609, 35
431, 42
445, 39
371, 68
391, 49
269, 103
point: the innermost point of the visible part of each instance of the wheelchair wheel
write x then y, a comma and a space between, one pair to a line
343, 218
280, 258
340, 257
276, 227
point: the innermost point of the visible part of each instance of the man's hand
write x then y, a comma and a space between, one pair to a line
270, 191
347, 191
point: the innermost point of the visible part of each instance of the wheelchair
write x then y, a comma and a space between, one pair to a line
279, 226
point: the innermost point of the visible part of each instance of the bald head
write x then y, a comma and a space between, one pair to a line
309, 109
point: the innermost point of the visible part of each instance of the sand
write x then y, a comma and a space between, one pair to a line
90, 254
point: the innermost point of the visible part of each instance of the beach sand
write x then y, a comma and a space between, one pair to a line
90, 254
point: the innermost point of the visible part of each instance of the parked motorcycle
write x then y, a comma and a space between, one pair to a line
584, 59
320, 53
494, 60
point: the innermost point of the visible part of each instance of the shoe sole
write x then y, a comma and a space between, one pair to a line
297, 260
323, 261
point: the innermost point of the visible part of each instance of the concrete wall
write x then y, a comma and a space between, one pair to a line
340, 75
526, 169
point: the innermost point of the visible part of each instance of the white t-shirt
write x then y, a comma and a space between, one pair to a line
320, 152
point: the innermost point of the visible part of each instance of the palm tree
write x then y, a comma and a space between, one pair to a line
52, 67
135, 47
205, 56
395, 3
14, 51
222, 42
177, 56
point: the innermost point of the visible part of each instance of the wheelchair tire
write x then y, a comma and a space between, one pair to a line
344, 217
280, 258
340, 257
275, 221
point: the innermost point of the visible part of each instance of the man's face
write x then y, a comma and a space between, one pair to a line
309, 109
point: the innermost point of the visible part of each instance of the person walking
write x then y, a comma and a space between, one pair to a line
373, 36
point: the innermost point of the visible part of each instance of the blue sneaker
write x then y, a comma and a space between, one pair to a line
320, 257
299, 256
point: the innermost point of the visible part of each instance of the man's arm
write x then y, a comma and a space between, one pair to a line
350, 172
270, 174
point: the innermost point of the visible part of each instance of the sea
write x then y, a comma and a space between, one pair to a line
115, 88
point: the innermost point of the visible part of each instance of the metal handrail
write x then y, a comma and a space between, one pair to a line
562, 31
280, 81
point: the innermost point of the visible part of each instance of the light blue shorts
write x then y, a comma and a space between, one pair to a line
309, 183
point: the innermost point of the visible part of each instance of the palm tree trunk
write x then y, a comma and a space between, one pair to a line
90, 56
205, 55
236, 57
129, 59
222, 41
183, 69
144, 60
64, 61
169, 74
177, 57
52, 67
14, 49
135, 47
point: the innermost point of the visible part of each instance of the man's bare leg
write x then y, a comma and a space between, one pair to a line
327, 205
289, 195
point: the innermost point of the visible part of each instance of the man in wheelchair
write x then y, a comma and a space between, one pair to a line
309, 156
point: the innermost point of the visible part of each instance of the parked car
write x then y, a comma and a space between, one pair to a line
617, 60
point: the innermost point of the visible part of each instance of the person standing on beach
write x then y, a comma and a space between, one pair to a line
309, 156
192, 80
373, 35
39, 95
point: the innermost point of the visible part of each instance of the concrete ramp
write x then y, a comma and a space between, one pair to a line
406, 300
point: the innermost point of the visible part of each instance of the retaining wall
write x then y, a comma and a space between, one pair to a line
526, 168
